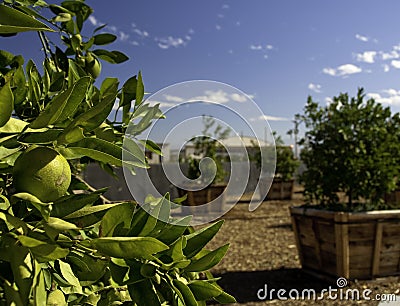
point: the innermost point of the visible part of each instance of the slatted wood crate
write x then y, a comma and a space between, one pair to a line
207, 195
351, 245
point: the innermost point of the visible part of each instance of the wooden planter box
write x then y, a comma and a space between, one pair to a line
351, 245
200, 197
280, 190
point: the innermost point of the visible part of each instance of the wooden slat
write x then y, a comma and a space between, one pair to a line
296, 236
342, 245
377, 249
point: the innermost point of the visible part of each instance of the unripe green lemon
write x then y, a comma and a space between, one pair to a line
56, 298
42, 172
92, 65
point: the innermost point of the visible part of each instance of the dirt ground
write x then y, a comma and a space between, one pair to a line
263, 253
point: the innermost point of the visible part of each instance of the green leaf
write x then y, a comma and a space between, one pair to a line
39, 291
128, 93
173, 230
12, 126
90, 210
60, 224
184, 293
144, 294
43, 208
198, 240
208, 261
68, 275
14, 222
63, 105
225, 298
71, 203
151, 146
6, 103
96, 115
129, 247
73, 135
139, 89
14, 21
40, 137
117, 221
203, 290
113, 57
43, 251
150, 114
104, 39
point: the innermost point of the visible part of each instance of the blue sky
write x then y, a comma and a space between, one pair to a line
278, 52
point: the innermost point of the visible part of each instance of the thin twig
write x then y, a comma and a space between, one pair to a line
91, 188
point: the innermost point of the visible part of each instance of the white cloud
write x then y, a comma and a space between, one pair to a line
386, 67
270, 118
168, 42
191, 31
238, 98
269, 47
141, 33
395, 64
390, 96
225, 6
343, 70
256, 47
220, 16
314, 87
135, 43
171, 98
328, 100
366, 57
123, 36
329, 71
218, 27
266, 56
93, 21
362, 38
389, 55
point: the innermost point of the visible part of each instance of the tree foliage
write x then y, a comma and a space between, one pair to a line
82, 249
350, 146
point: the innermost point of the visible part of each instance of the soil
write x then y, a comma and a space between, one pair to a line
263, 253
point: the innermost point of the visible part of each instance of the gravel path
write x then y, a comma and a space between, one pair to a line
263, 252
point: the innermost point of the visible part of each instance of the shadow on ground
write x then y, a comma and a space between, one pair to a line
244, 285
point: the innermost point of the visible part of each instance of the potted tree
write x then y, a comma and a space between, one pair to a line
286, 165
206, 167
61, 241
351, 151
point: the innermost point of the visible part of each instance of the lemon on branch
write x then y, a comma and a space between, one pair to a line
42, 172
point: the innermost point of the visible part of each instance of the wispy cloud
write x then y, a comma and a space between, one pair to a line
314, 87
256, 47
170, 41
218, 27
366, 57
343, 70
386, 68
269, 118
387, 96
395, 64
362, 37
93, 21
389, 55
225, 6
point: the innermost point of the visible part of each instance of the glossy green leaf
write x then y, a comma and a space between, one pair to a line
173, 230
225, 298
71, 203
128, 93
198, 240
117, 221
39, 290
72, 136
204, 290
63, 105
43, 251
129, 247
6, 103
208, 261
143, 294
113, 57
12, 126
139, 89
40, 137
104, 39
151, 146
60, 224
185, 293
86, 211
68, 274
14, 21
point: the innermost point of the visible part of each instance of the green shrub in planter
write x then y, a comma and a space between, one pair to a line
61, 241
351, 146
